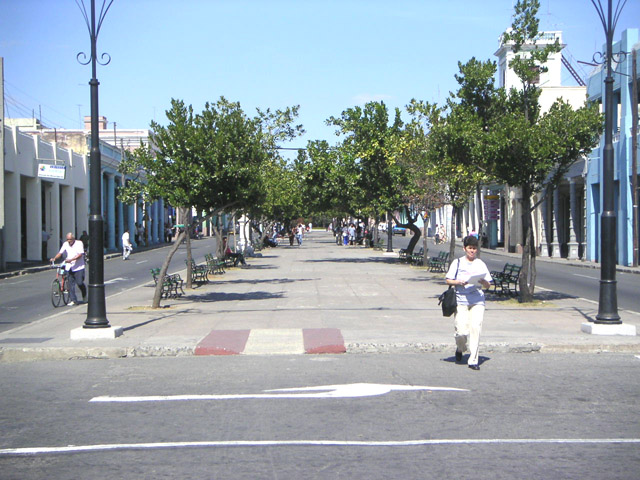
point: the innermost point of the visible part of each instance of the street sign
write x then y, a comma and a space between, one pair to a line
51, 171
492, 207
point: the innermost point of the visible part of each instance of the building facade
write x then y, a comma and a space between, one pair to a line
622, 147
38, 208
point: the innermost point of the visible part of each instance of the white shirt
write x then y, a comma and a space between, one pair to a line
125, 240
468, 294
73, 251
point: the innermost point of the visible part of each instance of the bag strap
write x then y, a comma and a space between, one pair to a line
457, 268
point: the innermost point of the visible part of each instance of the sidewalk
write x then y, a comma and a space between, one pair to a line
318, 298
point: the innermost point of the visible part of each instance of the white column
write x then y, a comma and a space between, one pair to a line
52, 217
573, 215
33, 231
120, 215
555, 244
68, 210
82, 209
110, 221
12, 246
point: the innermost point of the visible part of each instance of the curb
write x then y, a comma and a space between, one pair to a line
15, 355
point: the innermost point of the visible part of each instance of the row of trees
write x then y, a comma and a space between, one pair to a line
221, 160
217, 161
443, 154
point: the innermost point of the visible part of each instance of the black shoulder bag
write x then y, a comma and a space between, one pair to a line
448, 298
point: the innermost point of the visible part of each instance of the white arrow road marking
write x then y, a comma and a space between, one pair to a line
115, 280
353, 390
313, 443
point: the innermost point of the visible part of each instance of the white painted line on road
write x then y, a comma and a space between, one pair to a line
16, 283
114, 280
585, 276
311, 443
587, 300
142, 261
545, 289
354, 390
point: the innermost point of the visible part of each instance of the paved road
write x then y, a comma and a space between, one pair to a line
565, 279
521, 416
27, 298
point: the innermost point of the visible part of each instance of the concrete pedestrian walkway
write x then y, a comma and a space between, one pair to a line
317, 298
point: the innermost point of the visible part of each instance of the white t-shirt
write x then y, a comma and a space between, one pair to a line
126, 242
72, 251
469, 294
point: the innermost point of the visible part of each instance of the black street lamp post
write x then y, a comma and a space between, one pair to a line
96, 310
608, 300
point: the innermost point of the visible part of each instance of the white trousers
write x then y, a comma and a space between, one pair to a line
468, 324
126, 251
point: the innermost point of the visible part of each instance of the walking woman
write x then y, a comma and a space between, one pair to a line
468, 274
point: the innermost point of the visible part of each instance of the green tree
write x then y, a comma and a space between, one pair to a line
211, 161
532, 151
370, 151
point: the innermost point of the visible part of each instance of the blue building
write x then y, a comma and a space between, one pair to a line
622, 145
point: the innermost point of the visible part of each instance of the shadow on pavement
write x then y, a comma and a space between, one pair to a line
230, 297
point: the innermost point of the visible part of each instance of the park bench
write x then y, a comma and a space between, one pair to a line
199, 273
439, 263
417, 258
171, 285
214, 265
402, 255
507, 279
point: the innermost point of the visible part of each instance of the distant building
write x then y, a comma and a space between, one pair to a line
622, 146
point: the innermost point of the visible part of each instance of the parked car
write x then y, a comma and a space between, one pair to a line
399, 231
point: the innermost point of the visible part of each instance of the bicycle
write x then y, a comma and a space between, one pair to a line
59, 285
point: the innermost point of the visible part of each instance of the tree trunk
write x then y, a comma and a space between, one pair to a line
157, 295
425, 247
480, 210
528, 272
452, 241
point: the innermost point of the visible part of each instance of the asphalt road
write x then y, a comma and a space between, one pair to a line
568, 416
27, 298
581, 282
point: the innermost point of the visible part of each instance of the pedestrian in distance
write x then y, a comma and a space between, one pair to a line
468, 274
237, 257
126, 245
74, 260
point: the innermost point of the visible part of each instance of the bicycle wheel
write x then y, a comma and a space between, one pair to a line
65, 291
56, 293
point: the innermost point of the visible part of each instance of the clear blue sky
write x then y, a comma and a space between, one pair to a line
324, 55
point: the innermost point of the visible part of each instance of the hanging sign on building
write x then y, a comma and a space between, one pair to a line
51, 171
492, 207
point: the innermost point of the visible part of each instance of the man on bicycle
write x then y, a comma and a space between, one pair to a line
74, 259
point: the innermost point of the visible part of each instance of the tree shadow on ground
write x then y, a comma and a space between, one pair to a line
231, 297
546, 296
270, 281
354, 260
432, 279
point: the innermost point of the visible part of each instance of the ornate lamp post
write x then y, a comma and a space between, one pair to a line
608, 301
96, 310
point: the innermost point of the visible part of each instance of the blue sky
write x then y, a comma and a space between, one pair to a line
323, 55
